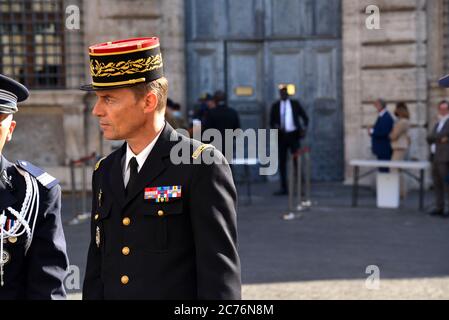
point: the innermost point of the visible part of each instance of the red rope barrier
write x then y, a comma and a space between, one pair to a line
83, 160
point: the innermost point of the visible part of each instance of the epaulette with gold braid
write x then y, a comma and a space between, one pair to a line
200, 149
97, 165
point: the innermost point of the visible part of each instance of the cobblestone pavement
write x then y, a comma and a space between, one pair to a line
325, 254
415, 289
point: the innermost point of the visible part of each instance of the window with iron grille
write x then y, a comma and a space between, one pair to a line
35, 46
446, 35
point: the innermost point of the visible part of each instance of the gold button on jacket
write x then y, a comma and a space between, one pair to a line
12, 240
124, 279
126, 221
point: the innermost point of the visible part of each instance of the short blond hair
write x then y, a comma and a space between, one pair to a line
159, 87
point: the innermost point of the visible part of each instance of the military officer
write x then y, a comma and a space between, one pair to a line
160, 230
33, 261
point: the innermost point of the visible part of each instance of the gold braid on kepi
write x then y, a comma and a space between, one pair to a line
124, 63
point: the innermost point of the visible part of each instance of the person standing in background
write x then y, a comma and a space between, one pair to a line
285, 116
399, 137
439, 156
174, 117
221, 117
380, 133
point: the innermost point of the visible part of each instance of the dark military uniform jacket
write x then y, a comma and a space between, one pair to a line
184, 248
38, 274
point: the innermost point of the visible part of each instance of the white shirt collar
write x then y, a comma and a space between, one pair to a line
141, 157
284, 102
381, 114
444, 119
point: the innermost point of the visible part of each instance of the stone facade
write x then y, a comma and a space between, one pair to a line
55, 127
400, 62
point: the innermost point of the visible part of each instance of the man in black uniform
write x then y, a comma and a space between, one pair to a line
286, 115
33, 259
160, 230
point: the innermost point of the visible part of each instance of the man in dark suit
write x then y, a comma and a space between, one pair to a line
161, 228
286, 115
438, 140
380, 133
33, 259
221, 117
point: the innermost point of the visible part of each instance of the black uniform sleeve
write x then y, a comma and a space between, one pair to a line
93, 286
47, 262
214, 221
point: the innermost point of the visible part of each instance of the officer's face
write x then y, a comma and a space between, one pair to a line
121, 115
7, 126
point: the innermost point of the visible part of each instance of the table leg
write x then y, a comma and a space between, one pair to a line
355, 187
421, 190
248, 181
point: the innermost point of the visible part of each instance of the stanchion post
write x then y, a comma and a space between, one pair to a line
73, 183
308, 178
79, 216
298, 206
84, 190
294, 187
291, 183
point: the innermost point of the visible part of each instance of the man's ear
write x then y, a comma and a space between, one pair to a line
12, 126
151, 102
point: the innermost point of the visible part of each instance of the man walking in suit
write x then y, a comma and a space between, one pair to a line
285, 116
380, 133
439, 155
160, 230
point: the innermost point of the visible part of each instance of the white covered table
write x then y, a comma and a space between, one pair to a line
390, 181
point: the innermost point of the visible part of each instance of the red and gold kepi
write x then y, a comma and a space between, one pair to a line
124, 63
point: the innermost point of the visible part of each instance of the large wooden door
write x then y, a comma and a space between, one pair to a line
250, 47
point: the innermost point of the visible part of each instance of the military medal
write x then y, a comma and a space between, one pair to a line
97, 237
6, 179
4, 260
5, 257
8, 227
99, 198
163, 194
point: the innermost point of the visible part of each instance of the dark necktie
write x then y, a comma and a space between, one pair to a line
132, 174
